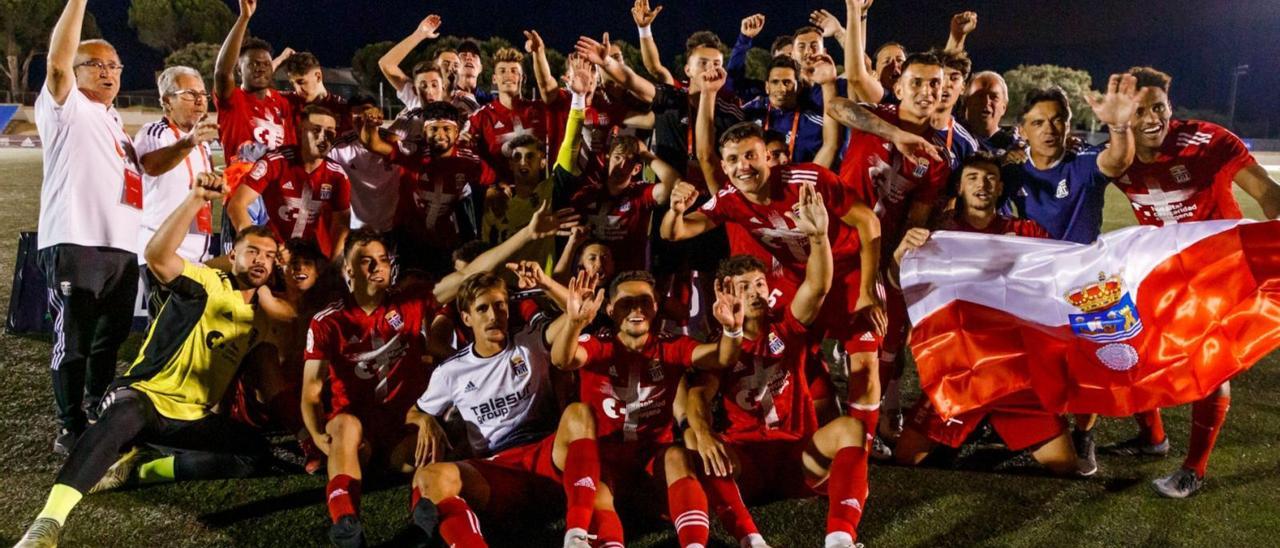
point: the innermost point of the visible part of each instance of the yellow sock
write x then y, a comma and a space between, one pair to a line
156, 471
62, 498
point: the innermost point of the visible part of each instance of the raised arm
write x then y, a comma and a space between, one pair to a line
856, 116
579, 85
736, 66
643, 16
676, 225
543, 224
161, 160
63, 44
428, 29
1115, 109
584, 302
822, 72
161, 253
668, 177
863, 85
224, 69
729, 311
811, 219
547, 86
869, 302
831, 27
285, 54
238, 206
704, 131
598, 53
1255, 181
962, 24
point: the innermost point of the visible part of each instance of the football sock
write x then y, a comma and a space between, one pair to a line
607, 528
1207, 416
343, 493
1150, 426
847, 490
726, 500
156, 471
869, 416
62, 499
687, 503
581, 474
458, 525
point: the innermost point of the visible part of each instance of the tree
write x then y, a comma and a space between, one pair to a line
758, 60
168, 25
364, 64
24, 34
197, 55
1075, 82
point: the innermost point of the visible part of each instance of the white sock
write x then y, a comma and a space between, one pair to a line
839, 539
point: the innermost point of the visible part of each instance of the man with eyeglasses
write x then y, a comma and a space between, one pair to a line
173, 151
90, 208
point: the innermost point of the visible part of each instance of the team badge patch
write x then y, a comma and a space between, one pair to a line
65, 287
655, 371
1063, 190
776, 345
921, 170
518, 366
1180, 174
394, 320
1108, 315
326, 190
259, 169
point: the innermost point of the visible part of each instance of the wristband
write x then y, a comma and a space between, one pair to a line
579, 102
645, 32
1119, 128
735, 334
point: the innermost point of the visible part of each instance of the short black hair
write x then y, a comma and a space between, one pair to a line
256, 231
771, 136
1052, 93
783, 61
366, 235
738, 265
362, 100
956, 60
422, 67
923, 58
631, 276
887, 45
702, 39
781, 42
252, 43
520, 141
308, 250
469, 251
301, 63
981, 157
441, 110
1151, 77
741, 131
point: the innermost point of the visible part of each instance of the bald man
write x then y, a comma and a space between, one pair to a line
90, 213
985, 103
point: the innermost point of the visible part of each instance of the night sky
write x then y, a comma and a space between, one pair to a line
1198, 42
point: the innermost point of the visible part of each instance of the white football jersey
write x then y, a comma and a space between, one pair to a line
506, 399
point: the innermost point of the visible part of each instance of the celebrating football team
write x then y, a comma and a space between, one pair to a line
568, 297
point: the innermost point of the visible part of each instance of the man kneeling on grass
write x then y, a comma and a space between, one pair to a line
192, 352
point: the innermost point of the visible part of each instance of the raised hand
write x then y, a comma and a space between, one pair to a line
642, 15
205, 130
810, 212
529, 275
713, 79
209, 186
728, 308
584, 299
1116, 107
820, 69
751, 25
247, 7
829, 24
682, 197
916, 148
963, 23
591, 50
546, 223
429, 27
533, 42
913, 239
582, 77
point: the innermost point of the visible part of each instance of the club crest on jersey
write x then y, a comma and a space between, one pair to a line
394, 320
259, 169
326, 190
655, 371
518, 366
921, 170
1180, 174
1108, 316
625, 207
776, 345
1063, 190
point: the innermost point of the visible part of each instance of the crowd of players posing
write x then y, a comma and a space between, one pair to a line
452, 282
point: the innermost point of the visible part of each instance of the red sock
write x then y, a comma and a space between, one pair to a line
607, 528
870, 419
343, 492
726, 500
1207, 416
581, 474
687, 503
1150, 426
459, 527
847, 490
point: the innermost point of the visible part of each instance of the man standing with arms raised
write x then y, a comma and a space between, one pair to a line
90, 210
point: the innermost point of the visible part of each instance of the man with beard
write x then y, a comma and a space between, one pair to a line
429, 82
253, 118
495, 125
1183, 171
787, 109
190, 356
306, 195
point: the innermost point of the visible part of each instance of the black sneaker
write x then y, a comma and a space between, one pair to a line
1137, 447
65, 441
1181, 484
1086, 452
421, 529
347, 532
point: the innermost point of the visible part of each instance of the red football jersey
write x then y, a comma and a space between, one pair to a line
375, 359
1191, 179
769, 226
766, 394
631, 393
620, 222
1000, 225
494, 125
430, 188
300, 204
885, 180
262, 123
334, 103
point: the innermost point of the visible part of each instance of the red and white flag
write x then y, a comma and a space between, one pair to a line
1146, 317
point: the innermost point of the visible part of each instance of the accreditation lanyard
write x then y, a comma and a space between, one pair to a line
791, 137
203, 223
131, 194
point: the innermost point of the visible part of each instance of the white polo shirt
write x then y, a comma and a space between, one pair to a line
86, 198
164, 193
375, 184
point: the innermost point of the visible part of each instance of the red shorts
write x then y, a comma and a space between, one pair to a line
521, 476
773, 470
836, 320
1018, 418
383, 426
629, 466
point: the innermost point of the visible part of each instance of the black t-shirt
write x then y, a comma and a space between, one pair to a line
673, 110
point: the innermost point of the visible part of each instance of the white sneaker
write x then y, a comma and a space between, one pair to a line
577, 538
